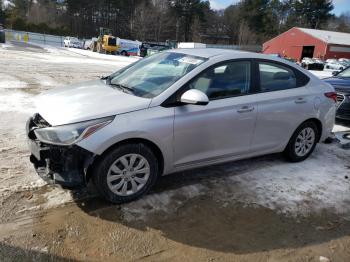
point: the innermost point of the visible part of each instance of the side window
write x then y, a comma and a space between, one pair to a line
225, 80
275, 77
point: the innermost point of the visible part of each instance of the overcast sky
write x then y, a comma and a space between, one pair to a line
340, 6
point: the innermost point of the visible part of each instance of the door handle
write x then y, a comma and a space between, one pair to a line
245, 109
300, 100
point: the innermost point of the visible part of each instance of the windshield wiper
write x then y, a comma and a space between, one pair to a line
105, 77
125, 89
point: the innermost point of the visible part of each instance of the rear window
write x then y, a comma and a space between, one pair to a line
275, 77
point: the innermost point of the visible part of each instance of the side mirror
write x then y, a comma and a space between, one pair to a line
194, 97
335, 73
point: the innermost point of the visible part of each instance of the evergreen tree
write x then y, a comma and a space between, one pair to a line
2, 13
313, 13
186, 11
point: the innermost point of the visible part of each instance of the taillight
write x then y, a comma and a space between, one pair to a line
331, 95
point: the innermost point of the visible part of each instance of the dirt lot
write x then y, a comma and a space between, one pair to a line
263, 209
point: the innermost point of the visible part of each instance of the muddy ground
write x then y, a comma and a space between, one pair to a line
263, 209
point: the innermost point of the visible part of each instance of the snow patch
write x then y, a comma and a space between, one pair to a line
6, 46
8, 81
321, 74
339, 128
297, 188
165, 201
45, 80
57, 197
16, 102
294, 189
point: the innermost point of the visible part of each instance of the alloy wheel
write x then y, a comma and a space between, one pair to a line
305, 141
128, 174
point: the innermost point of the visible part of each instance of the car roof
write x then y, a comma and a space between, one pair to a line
227, 53
204, 52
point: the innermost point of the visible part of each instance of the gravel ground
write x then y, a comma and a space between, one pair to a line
262, 209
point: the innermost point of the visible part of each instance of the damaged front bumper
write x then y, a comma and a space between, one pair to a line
64, 165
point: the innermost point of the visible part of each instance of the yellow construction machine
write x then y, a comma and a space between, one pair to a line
105, 43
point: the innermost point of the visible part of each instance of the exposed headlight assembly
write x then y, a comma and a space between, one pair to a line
71, 133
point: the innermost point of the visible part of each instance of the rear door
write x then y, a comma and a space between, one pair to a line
283, 103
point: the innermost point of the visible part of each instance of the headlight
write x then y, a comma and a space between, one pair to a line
72, 133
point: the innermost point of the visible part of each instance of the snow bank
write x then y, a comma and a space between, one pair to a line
74, 55
91, 54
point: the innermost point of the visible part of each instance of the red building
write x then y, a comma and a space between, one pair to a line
299, 42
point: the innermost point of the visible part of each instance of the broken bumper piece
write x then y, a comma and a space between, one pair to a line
63, 165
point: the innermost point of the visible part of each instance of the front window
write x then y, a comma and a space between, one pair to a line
224, 80
151, 76
112, 41
345, 73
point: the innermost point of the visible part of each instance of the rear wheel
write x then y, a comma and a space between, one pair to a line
99, 48
124, 53
303, 142
126, 173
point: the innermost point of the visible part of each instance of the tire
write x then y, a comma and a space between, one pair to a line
124, 53
98, 49
295, 153
105, 179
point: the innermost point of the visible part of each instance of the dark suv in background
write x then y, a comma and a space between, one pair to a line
2, 34
341, 83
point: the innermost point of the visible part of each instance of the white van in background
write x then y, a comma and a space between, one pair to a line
191, 45
72, 42
128, 47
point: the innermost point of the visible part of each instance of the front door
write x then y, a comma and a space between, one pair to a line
224, 127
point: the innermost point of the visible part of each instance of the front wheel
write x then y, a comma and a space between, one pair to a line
302, 143
126, 173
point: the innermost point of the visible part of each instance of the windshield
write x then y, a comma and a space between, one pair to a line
151, 76
345, 73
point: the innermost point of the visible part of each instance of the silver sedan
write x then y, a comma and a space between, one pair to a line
175, 111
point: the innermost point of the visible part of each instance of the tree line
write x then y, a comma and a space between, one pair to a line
246, 22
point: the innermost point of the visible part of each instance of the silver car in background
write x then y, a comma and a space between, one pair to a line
174, 111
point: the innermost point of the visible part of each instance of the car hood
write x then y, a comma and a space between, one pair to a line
339, 84
86, 101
